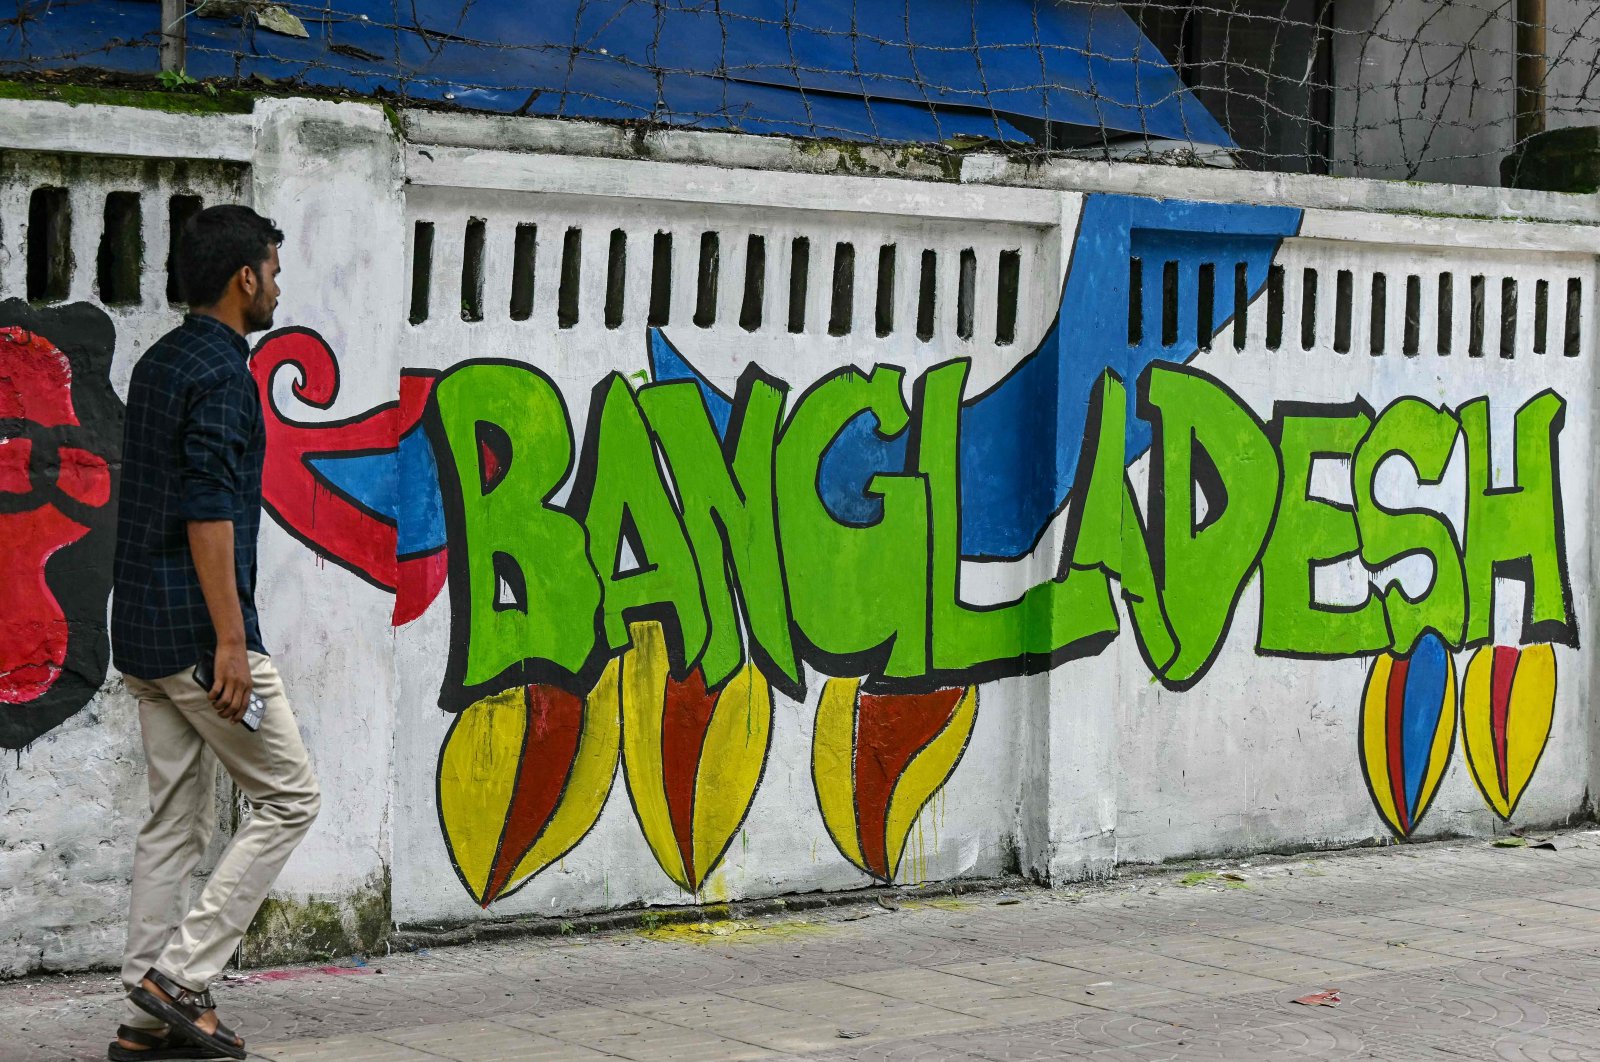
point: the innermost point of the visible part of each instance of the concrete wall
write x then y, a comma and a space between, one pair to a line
822, 564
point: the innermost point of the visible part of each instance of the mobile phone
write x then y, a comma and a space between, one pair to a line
205, 678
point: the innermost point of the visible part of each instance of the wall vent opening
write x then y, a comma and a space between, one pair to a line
49, 245
524, 260
1475, 336
841, 316
1412, 342
570, 287
1573, 341
1008, 292
1241, 304
799, 279
755, 282
1135, 301
884, 312
927, 294
1205, 304
1308, 309
966, 294
616, 278
1275, 280
118, 266
180, 208
660, 281
1378, 329
421, 270
1508, 317
1447, 312
1541, 316
707, 277
472, 270
1343, 298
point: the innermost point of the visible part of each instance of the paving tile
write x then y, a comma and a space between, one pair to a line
1162, 971
634, 1036
485, 1041
751, 1022
343, 1048
1090, 988
859, 1009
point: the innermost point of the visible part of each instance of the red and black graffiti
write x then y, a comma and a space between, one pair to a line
60, 440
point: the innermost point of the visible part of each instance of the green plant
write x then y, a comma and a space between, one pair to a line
173, 80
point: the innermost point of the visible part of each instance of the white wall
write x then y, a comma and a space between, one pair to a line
1066, 773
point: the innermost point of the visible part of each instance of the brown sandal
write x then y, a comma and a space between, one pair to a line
154, 1047
182, 1012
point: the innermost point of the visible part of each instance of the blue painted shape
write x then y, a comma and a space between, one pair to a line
1422, 711
928, 71
399, 487
1020, 440
667, 365
420, 502
858, 453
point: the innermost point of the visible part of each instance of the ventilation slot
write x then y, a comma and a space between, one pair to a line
844, 290
1413, 330
1508, 317
1241, 304
1135, 301
472, 271
660, 281
1169, 304
1475, 333
966, 294
180, 208
1447, 312
1378, 328
1308, 309
616, 277
421, 270
117, 267
706, 276
1573, 342
1343, 296
884, 312
755, 283
49, 245
571, 273
1541, 316
799, 278
1008, 290
927, 295
1275, 280
1205, 306
524, 257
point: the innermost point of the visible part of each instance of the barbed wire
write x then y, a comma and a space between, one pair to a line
1414, 89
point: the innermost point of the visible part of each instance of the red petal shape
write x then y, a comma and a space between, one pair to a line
685, 717
1396, 735
891, 728
1502, 670
549, 747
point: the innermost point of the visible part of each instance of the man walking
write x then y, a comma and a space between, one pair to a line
185, 578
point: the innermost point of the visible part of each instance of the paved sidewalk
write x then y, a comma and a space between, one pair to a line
1448, 951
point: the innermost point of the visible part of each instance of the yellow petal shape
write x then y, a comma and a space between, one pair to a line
477, 773
644, 690
732, 759
832, 766
523, 775
926, 773
1506, 719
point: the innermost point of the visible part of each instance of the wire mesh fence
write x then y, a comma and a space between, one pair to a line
1413, 89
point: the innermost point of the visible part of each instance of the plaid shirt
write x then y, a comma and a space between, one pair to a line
192, 449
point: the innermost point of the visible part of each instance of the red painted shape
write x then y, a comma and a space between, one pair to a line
890, 729
488, 465
84, 477
685, 717
317, 516
37, 382
1502, 670
549, 747
16, 461
33, 627
1394, 731
420, 580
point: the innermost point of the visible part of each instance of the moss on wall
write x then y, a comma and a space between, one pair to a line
224, 101
319, 928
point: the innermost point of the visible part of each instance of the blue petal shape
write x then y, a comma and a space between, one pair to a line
666, 364
1423, 708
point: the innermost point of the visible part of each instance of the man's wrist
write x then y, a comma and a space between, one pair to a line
230, 642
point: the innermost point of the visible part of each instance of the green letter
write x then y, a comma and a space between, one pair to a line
626, 493
730, 514
1205, 437
854, 589
1518, 530
1425, 436
530, 593
1308, 532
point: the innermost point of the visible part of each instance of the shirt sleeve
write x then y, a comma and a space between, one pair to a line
216, 433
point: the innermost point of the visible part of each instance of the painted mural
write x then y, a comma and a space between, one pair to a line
60, 434
716, 550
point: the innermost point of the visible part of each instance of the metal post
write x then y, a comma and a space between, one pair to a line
174, 35
1532, 68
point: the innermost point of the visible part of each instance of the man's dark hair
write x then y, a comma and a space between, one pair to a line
217, 243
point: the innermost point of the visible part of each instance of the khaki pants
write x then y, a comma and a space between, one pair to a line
182, 734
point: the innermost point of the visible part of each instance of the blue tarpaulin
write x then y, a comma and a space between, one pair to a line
1022, 71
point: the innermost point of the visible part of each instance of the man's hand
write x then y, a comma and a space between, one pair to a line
230, 686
